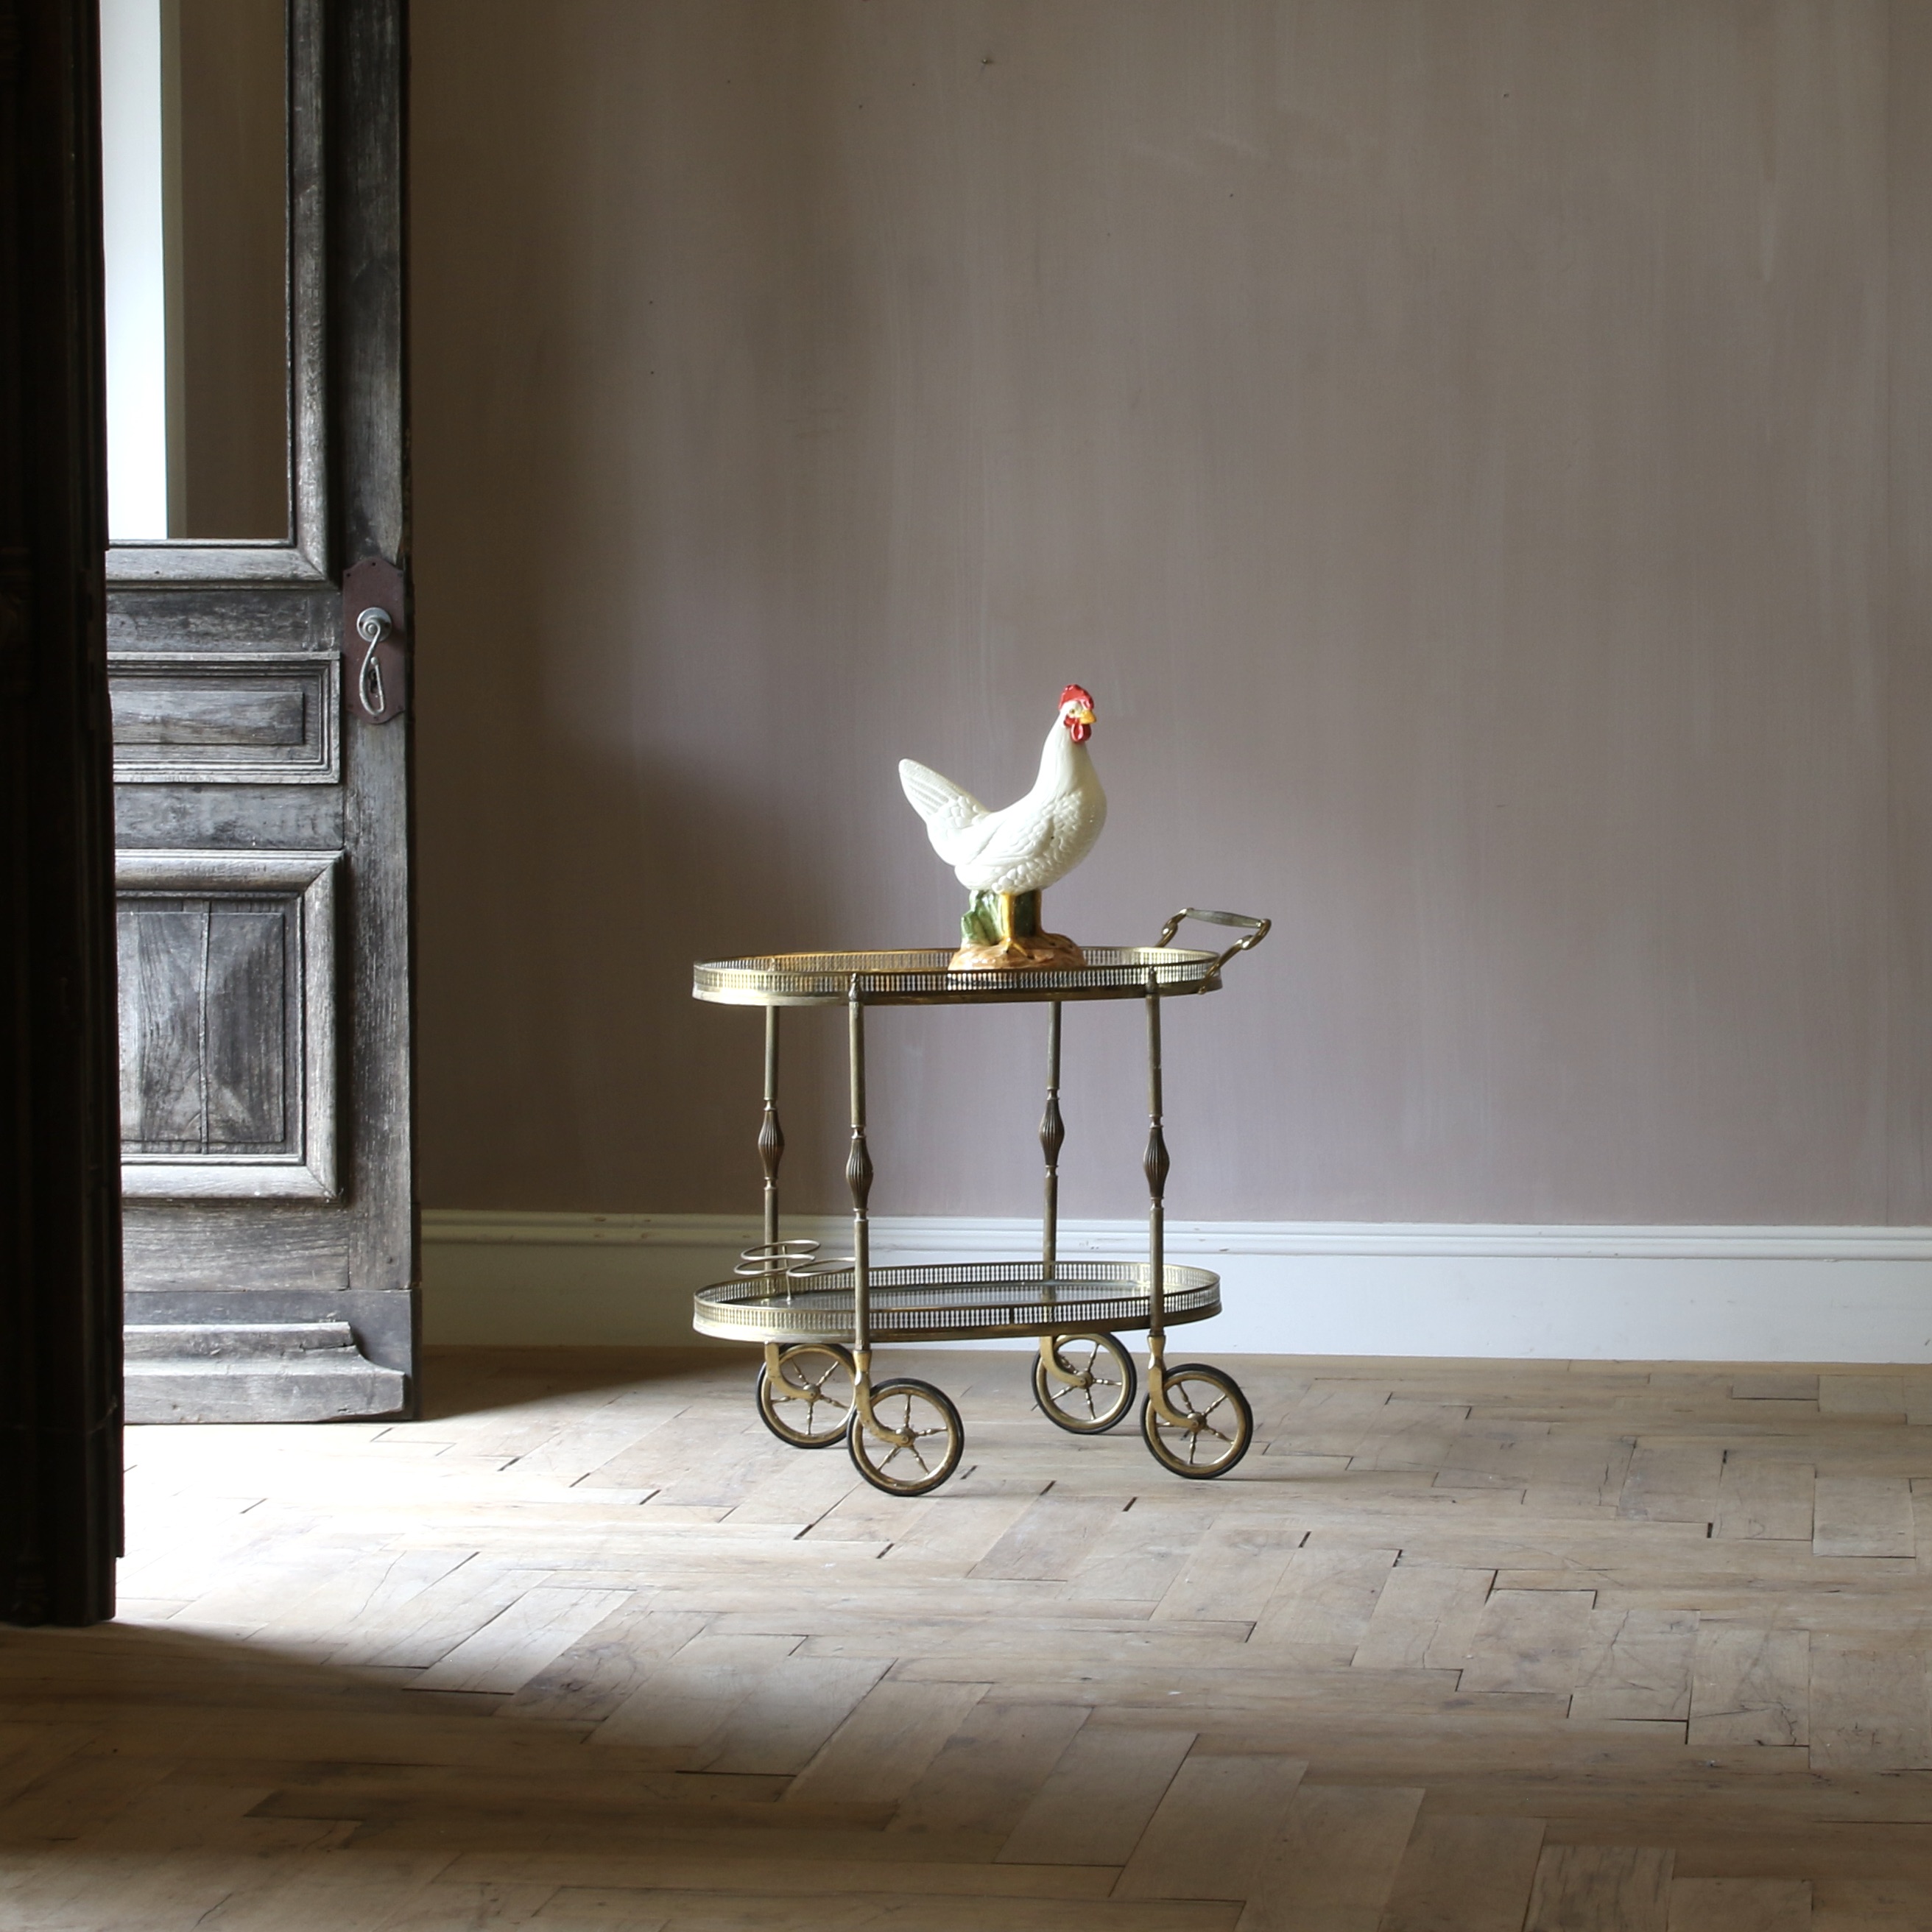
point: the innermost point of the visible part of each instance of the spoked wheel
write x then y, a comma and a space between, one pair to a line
926, 1419
1217, 1424
1101, 1391
810, 1404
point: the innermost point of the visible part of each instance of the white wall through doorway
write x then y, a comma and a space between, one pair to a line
134, 178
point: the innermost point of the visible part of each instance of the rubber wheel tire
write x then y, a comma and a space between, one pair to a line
1044, 1387
808, 1437
939, 1411
1230, 1396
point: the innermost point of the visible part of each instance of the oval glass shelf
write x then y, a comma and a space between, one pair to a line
953, 1301
917, 976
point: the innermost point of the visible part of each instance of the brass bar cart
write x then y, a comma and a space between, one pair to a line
819, 1317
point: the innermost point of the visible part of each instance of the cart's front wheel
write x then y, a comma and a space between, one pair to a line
1215, 1427
1101, 1389
917, 1443
809, 1404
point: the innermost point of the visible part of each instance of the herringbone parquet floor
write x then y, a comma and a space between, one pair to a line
1470, 1647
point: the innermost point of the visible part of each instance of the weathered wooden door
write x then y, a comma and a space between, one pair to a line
258, 627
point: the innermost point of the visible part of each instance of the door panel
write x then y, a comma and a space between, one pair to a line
263, 836
225, 718
200, 818
212, 1029
227, 1257
228, 1024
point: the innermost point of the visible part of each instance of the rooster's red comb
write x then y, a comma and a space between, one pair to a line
1077, 694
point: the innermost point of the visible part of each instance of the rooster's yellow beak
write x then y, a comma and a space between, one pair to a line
1083, 714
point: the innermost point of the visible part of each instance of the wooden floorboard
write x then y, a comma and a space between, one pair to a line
1461, 1647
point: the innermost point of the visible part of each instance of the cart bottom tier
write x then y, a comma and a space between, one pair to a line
954, 1301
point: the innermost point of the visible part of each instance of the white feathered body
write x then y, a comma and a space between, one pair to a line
1038, 839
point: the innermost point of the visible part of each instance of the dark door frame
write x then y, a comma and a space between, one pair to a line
60, 1245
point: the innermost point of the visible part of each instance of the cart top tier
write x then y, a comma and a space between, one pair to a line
918, 977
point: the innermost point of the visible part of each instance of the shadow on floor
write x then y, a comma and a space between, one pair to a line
472, 1380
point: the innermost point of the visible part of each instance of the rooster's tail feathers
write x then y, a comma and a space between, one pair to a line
942, 804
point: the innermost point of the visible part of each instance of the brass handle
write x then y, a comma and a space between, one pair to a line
1258, 929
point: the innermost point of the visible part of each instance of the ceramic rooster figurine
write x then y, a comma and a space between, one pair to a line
1006, 859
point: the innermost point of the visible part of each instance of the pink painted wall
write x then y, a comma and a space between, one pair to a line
1474, 451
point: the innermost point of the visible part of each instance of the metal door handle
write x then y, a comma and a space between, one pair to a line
373, 626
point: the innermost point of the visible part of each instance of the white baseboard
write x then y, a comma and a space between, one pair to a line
1628, 1294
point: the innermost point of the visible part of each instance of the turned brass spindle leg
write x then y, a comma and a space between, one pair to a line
1052, 1135
1153, 1164
771, 1135
858, 1180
